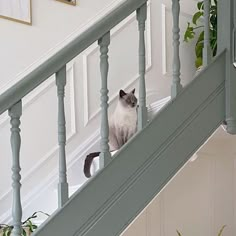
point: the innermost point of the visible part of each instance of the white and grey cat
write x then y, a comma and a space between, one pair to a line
122, 126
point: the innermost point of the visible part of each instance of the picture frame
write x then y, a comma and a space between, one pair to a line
16, 10
70, 2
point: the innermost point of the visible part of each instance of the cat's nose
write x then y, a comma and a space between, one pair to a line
133, 104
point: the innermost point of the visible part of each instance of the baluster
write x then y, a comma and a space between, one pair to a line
105, 155
15, 113
63, 185
207, 47
176, 85
142, 109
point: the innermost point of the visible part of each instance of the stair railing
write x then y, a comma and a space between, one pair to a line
11, 100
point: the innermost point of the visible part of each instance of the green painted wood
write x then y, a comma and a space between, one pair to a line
207, 46
225, 16
176, 86
142, 109
79, 44
105, 155
62, 185
111, 200
15, 113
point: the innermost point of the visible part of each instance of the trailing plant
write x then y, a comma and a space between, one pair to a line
196, 24
27, 226
219, 234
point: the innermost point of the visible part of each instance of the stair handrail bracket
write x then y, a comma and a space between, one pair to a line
74, 48
226, 18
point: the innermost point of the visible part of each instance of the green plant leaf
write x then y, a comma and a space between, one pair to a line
198, 62
179, 234
200, 5
198, 49
189, 33
8, 231
34, 227
221, 230
215, 2
196, 17
24, 232
200, 37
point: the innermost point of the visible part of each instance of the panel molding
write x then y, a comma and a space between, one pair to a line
42, 89
28, 176
93, 48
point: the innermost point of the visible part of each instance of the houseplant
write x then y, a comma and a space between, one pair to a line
219, 234
28, 226
196, 29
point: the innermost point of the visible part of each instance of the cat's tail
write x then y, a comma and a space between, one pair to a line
88, 162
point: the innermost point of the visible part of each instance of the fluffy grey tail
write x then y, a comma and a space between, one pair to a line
88, 162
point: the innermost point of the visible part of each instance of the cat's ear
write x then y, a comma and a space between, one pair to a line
133, 91
122, 93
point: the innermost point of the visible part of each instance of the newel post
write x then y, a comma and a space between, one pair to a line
226, 22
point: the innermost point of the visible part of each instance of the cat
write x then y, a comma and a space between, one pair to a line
122, 126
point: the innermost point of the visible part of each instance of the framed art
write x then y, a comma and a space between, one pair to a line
16, 10
70, 2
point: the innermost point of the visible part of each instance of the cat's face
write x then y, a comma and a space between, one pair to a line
128, 99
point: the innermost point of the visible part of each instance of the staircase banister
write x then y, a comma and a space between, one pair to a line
117, 194
76, 46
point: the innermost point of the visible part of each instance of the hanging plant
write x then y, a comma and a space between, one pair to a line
196, 24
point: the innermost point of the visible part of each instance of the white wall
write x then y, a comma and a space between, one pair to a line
52, 23
55, 24
199, 200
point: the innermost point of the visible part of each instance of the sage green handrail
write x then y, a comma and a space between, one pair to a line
57, 61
